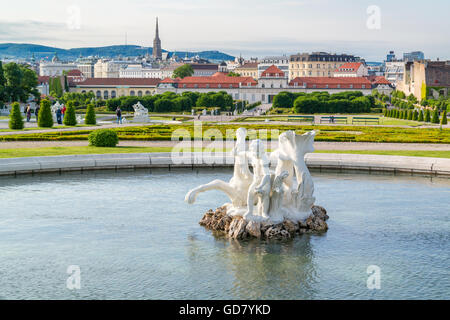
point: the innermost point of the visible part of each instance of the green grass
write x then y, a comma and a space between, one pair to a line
324, 133
60, 151
52, 128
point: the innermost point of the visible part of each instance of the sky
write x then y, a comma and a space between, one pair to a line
253, 28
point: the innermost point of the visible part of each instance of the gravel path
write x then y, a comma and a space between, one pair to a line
318, 145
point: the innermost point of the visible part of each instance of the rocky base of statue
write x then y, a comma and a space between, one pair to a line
238, 228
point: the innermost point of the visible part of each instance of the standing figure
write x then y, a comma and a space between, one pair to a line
259, 190
36, 112
58, 115
28, 113
119, 115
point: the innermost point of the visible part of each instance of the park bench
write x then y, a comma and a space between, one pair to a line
302, 118
365, 120
333, 119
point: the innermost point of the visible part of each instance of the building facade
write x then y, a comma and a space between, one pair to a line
317, 64
139, 71
55, 67
106, 88
248, 69
281, 62
352, 69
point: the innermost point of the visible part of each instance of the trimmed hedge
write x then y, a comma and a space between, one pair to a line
90, 115
45, 117
70, 118
15, 117
103, 138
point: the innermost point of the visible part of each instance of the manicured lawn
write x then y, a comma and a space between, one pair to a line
59, 151
52, 128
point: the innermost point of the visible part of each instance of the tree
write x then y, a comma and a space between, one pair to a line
2, 85
13, 76
421, 118
15, 117
283, 100
70, 117
45, 118
435, 118
415, 115
185, 70
205, 101
163, 105
233, 74
427, 116
90, 115
444, 117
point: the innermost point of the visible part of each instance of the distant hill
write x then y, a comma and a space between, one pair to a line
25, 50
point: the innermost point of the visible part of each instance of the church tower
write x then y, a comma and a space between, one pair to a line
157, 52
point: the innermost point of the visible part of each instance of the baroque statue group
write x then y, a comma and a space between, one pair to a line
268, 195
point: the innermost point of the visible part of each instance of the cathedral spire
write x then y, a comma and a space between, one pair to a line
157, 52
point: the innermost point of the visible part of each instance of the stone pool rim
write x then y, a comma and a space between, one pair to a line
325, 161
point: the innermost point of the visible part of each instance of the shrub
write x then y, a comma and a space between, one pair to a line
415, 115
421, 118
45, 117
103, 138
444, 117
435, 118
69, 117
90, 115
15, 117
427, 116
410, 114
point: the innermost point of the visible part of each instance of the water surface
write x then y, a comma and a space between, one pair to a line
133, 237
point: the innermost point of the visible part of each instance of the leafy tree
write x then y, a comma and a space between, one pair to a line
410, 114
283, 100
45, 118
163, 105
2, 85
15, 117
415, 115
185, 70
13, 76
435, 118
90, 115
444, 117
70, 117
205, 101
233, 74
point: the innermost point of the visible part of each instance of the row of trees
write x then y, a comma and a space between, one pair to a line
45, 117
323, 102
172, 102
17, 83
416, 115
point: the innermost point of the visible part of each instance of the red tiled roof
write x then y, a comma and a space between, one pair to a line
218, 80
378, 80
74, 73
272, 71
152, 82
43, 79
349, 67
332, 82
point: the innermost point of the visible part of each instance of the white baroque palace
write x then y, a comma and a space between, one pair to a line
266, 195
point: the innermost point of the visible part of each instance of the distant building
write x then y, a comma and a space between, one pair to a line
55, 67
273, 77
86, 66
317, 64
110, 68
204, 69
167, 71
281, 62
426, 79
394, 71
105, 88
248, 69
139, 71
157, 51
390, 56
413, 56
352, 69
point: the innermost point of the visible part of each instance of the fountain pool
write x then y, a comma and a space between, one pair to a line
133, 237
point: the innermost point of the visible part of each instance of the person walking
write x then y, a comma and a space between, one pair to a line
28, 113
119, 115
36, 112
58, 116
63, 111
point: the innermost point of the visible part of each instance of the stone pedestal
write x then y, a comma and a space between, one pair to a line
238, 228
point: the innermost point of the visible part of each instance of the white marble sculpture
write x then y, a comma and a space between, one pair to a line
265, 195
140, 113
55, 107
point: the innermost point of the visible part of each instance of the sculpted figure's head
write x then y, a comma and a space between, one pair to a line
305, 143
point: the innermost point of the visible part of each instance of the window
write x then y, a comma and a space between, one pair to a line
219, 86
338, 86
351, 86
99, 94
139, 93
132, 93
363, 86
105, 95
147, 93
113, 94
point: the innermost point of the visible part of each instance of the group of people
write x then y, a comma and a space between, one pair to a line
27, 111
60, 112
